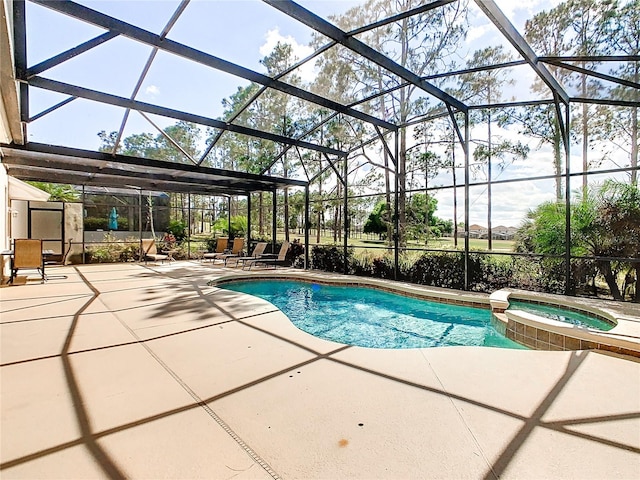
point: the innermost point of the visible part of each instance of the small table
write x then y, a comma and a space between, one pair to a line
45, 253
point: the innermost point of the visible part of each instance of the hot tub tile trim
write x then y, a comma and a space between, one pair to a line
545, 334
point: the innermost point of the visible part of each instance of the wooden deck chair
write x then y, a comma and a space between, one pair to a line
257, 252
221, 245
27, 255
150, 251
270, 258
236, 250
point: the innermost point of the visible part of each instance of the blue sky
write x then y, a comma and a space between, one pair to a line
240, 31
114, 67
243, 32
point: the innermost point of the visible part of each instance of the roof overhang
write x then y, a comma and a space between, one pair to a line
10, 127
19, 190
48, 163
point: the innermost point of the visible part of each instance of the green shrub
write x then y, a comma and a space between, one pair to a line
238, 226
99, 255
383, 267
489, 273
180, 250
295, 254
113, 250
550, 275
177, 228
439, 269
96, 223
129, 252
91, 224
362, 264
331, 258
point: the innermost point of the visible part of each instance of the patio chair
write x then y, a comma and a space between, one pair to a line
236, 251
221, 245
269, 258
57, 261
27, 255
257, 252
150, 251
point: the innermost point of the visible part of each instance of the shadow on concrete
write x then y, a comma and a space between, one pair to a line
172, 304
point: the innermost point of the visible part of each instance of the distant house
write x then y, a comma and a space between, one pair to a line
511, 233
498, 233
478, 231
503, 233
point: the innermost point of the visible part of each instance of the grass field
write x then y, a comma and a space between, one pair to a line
438, 244
361, 244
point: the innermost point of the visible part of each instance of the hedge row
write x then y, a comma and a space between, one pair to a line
446, 269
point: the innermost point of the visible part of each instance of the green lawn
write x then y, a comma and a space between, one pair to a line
439, 244
361, 244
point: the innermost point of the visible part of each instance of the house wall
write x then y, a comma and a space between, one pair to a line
5, 216
19, 222
73, 230
10, 128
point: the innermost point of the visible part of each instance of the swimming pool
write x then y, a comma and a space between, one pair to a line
371, 318
561, 315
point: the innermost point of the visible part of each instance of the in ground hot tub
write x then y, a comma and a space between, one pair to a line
554, 322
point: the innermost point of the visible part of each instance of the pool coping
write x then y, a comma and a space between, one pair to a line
543, 333
424, 292
530, 330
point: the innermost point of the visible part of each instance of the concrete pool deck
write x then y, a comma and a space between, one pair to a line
134, 371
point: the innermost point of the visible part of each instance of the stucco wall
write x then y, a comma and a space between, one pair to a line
4, 220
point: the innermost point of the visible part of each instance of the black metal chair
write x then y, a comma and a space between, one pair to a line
58, 262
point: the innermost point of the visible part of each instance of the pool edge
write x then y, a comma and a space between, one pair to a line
542, 333
527, 329
423, 292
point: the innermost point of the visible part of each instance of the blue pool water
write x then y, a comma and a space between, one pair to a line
376, 319
561, 315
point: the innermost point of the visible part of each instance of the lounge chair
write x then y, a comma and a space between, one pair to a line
221, 245
269, 258
257, 252
27, 255
150, 251
236, 251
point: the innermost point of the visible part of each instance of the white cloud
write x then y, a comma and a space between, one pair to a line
152, 90
476, 32
510, 202
518, 11
273, 37
510, 7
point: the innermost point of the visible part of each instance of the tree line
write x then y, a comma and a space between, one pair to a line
427, 44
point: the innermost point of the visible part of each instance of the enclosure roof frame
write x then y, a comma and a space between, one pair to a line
40, 162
